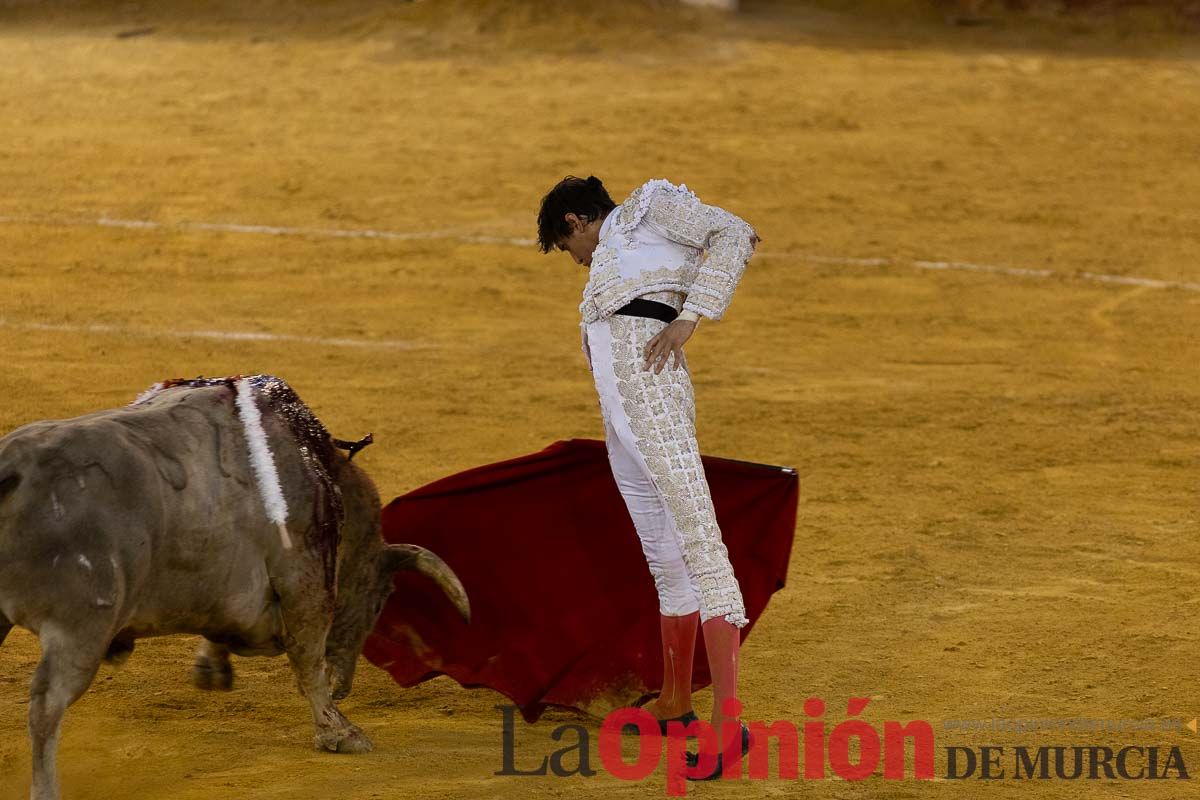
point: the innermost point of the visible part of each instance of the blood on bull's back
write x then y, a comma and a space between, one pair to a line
220, 507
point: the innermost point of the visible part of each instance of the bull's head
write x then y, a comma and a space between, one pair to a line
365, 568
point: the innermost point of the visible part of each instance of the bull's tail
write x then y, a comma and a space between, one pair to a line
418, 559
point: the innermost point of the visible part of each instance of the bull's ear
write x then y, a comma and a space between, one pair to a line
418, 559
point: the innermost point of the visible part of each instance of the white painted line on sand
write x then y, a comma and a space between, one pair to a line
236, 336
368, 233
268, 230
1133, 281
1021, 271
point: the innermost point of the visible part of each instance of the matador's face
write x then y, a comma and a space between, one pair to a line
582, 240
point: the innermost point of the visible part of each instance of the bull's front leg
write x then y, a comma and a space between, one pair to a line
212, 669
307, 616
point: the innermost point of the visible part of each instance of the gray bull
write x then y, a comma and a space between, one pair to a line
145, 521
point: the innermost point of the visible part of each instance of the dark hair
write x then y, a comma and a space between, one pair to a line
587, 198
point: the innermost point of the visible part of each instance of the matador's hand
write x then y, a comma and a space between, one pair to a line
668, 342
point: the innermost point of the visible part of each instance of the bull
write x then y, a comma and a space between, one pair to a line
215, 507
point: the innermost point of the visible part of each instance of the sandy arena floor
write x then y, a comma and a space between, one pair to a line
999, 469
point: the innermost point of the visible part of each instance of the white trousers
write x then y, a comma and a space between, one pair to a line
649, 427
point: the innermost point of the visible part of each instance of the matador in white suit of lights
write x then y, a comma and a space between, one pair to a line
657, 263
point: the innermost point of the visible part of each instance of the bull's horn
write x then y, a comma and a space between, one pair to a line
414, 557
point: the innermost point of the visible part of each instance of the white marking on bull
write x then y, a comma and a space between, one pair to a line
262, 461
267, 605
148, 394
83, 561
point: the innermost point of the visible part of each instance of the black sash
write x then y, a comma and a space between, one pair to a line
640, 307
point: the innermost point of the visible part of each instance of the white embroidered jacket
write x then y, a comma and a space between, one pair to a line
655, 242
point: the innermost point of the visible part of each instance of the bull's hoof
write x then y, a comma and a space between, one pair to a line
212, 677
346, 740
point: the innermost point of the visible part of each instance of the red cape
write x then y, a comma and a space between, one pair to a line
563, 608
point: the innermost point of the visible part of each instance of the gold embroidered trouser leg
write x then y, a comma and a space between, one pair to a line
650, 430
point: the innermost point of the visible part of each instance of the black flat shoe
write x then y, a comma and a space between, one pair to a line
688, 716
693, 759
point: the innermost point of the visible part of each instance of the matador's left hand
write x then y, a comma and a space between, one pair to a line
668, 342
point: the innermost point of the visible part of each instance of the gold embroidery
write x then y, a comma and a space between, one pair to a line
661, 411
605, 300
673, 299
678, 215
